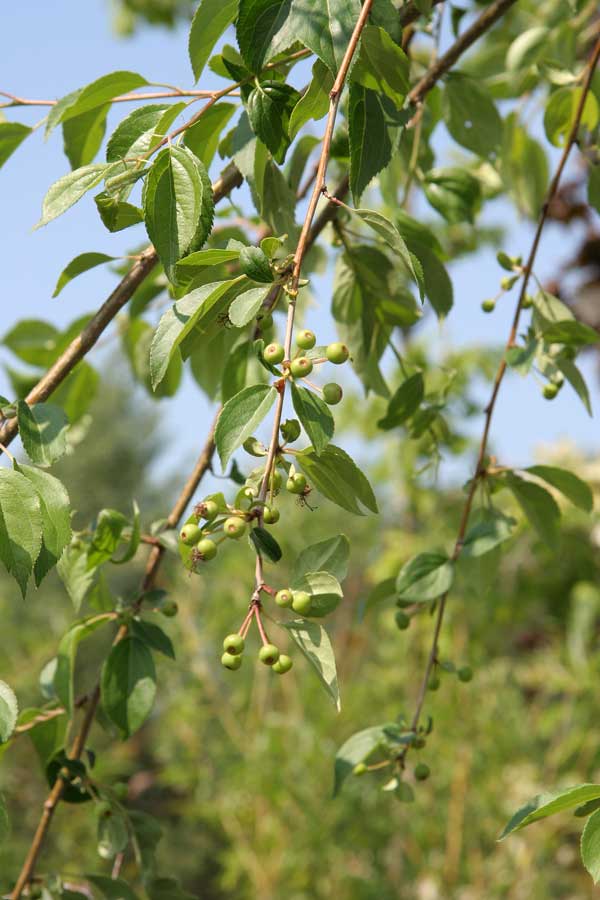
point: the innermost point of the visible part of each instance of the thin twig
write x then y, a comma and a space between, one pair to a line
123, 98
480, 471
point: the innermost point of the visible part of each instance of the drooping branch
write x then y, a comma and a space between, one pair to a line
480, 469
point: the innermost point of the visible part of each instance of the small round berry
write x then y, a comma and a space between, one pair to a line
284, 598
306, 339
169, 609
419, 742
268, 654
296, 483
283, 664
301, 602
230, 661
337, 353
270, 515
465, 673
290, 430
234, 644
234, 527
434, 683
360, 769
488, 306
422, 771
527, 302
275, 480
206, 548
190, 534
402, 620
332, 393
273, 354
550, 391
301, 367
208, 509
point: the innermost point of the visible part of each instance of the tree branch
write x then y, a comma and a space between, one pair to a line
480, 470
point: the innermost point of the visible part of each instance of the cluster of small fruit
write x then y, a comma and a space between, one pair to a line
269, 655
300, 366
201, 537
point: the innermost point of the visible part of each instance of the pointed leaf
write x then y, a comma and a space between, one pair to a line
12, 134
211, 19
241, 416
330, 555
315, 417
82, 263
590, 846
43, 430
425, 577
128, 685
544, 805
20, 525
9, 711
65, 192
56, 518
569, 484
314, 643
338, 478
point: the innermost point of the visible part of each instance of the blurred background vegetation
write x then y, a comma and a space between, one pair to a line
238, 766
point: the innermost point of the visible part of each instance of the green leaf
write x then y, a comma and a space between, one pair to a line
266, 544
269, 107
330, 555
192, 265
20, 525
314, 102
197, 310
539, 506
404, 403
338, 478
455, 193
82, 263
12, 134
324, 589
128, 685
116, 214
9, 711
178, 205
112, 888
141, 131
47, 736
325, 28
390, 234
370, 143
570, 332
425, 577
240, 417
385, 590
75, 574
106, 536
211, 19
551, 308
65, 192
544, 805
526, 49
255, 264
43, 430
246, 306
561, 110
492, 529
471, 116
83, 135
154, 636
577, 381
56, 518
97, 93
204, 136
63, 681
569, 484
356, 749
315, 645
33, 341
524, 168
590, 846
315, 417
258, 23
382, 65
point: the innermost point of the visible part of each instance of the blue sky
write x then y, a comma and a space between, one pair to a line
50, 49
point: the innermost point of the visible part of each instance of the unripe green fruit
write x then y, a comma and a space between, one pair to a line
270, 515
422, 771
234, 644
283, 664
190, 534
290, 430
301, 367
169, 609
268, 654
206, 548
550, 391
301, 602
332, 393
306, 339
337, 353
296, 483
284, 598
273, 354
360, 769
402, 620
488, 306
465, 673
208, 509
234, 527
275, 480
527, 302
230, 661
434, 683
419, 742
